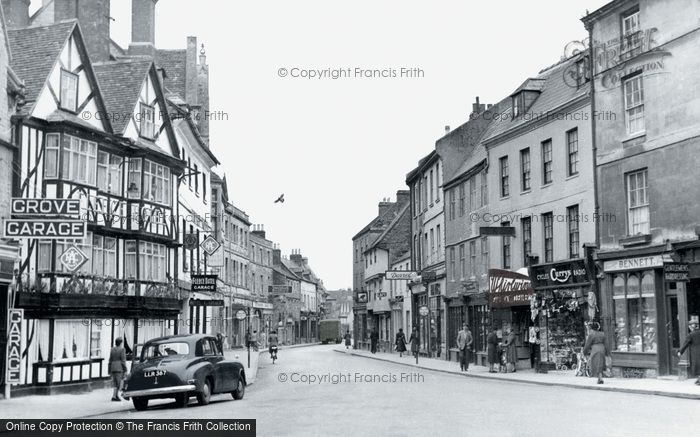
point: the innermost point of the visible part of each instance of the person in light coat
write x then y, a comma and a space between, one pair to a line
464, 343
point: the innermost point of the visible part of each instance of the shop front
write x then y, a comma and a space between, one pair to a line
510, 294
564, 301
645, 314
359, 309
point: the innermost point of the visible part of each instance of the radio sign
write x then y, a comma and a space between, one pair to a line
62, 207
45, 229
14, 346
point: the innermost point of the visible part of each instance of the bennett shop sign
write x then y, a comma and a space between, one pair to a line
572, 273
507, 289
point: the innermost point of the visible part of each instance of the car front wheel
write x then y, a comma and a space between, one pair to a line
240, 389
140, 403
204, 396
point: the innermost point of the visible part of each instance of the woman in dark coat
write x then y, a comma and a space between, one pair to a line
415, 343
511, 351
400, 342
348, 339
492, 349
692, 341
597, 347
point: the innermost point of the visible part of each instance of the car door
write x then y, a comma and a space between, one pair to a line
226, 370
214, 356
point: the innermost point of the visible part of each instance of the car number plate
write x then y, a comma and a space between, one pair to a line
153, 373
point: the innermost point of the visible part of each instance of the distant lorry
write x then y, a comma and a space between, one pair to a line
330, 331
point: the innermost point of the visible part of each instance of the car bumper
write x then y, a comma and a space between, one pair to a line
159, 391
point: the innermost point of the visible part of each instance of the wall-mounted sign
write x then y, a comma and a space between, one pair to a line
398, 298
49, 229
204, 283
206, 302
361, 297
72, 259
497, 231
210, 245
676, 272
400, 275
429, 275
262, 305
44, 207
14, 346
568, 274
507, 289
279, 289
642, 262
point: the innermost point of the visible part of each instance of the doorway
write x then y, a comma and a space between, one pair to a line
673, 332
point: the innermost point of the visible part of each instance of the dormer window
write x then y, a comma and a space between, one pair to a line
147, 121
582, 74
69, 91
523, 99
518, 105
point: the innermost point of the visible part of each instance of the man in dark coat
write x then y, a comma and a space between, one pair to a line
492, 350
117, 367
374, 339
692, 342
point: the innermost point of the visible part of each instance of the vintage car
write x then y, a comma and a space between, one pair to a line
181, 366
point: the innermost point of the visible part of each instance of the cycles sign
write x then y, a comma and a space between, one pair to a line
571, 273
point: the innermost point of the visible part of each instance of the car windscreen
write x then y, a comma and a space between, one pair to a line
165, 349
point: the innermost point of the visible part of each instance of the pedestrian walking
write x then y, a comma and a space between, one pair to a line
117, 367
348, 339
220, 341
374, 339
415, 343
492, 350
464, 343
400, 342
692, 342
511, 351
597, 347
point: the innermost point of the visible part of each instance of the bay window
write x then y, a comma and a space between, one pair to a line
109, 173
79, 160
152, 261
635, 312
104, 256
134, 179
130, 259
51, 155
157, 179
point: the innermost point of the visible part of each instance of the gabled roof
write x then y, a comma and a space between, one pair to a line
555, 92
174, 62
380, 239
187, 116
35, 51
121, 82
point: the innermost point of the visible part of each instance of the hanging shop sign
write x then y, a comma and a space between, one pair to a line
400, 275
206, 302
204, 283
423, 311
361, 297
676, 272
572, 273
398, 299
241, 315
210, 245
508, 289
14, 346
262, 305
642, 262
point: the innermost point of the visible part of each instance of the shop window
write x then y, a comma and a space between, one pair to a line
635, 312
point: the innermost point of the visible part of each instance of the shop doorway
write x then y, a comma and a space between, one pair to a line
673, 332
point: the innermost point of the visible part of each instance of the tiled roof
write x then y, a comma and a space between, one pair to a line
389, 228
35, 51
174, 63
121, 82
555, 92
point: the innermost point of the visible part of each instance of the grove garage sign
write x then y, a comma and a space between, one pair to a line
45, 219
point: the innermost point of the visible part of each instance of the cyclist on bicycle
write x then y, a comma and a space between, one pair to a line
272, 339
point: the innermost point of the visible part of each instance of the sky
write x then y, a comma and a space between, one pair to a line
337, 147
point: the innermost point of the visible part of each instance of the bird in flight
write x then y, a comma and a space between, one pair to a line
280, 199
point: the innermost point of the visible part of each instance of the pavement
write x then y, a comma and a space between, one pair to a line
671, 387
96, 402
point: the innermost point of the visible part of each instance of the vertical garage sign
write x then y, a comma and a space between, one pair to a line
14, 345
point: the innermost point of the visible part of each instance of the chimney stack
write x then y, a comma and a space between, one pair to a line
94, 19
447, 129
143, 28
403, 197
16, 13
191, 91
478, 108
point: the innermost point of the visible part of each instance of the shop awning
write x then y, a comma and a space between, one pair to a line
509, 289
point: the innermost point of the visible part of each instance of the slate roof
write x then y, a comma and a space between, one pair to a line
555, 92
35, 51
174, 63
121, 82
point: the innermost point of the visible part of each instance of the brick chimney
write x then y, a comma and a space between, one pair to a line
384, 207
203, 93
296, 257
143, 28
94, 19
16, 13
276, 256
191, 81
403, 197
258, 230
477, 108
